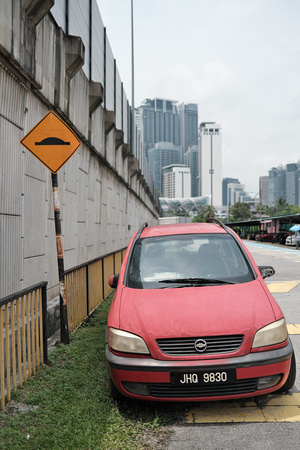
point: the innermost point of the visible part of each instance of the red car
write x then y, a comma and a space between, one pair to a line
193, 320
265, 237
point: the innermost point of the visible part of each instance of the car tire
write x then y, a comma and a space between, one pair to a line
114, 393
290, 381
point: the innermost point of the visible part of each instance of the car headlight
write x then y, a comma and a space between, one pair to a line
272, 334
122, 341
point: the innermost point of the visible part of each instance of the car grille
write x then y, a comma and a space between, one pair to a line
186, 346
168, 391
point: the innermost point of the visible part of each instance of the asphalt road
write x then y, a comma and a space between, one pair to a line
267, 422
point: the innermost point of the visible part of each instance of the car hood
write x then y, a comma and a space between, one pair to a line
196, 311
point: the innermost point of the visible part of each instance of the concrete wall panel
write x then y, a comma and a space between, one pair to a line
51, 261
13, 98
97, 45
90, 230
6, 26
70, 222
82, 196
12, 164
126, 118
34, 269
11, 256
97, 137
45, 57
119, 103
70, 173
79, 103
111, 150
110, 79
79, 25
35, 218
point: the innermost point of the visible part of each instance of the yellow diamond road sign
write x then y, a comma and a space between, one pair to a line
52, 141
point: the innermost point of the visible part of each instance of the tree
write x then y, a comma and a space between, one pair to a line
208, 212
282, 208
240, 211
293, 209
280, 204
198, 218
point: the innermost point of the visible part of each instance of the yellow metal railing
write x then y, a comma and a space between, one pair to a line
76, 297
23, 319
95, 284
87, 286
23, 338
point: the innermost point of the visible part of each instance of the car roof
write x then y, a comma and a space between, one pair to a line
182, 228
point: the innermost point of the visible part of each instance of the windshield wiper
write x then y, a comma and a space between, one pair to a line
196, 281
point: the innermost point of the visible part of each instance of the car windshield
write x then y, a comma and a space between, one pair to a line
187, 260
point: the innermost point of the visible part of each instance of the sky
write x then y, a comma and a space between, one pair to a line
239, 60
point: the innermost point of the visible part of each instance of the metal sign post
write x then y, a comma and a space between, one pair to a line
64, 328
53, 143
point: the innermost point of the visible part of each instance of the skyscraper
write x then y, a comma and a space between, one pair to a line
176, 181
210, 162
191, 161
163, 154
293, 183
236, 194
276, 184
161, 122
263, 189
225, 183
188, 113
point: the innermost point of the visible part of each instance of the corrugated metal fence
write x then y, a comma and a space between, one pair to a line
23, 319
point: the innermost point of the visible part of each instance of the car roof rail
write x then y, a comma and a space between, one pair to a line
138, 234
217, 221
141, 229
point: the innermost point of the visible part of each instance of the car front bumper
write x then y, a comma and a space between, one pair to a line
150, 379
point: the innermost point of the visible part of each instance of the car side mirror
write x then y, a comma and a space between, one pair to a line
266, 271
113, 281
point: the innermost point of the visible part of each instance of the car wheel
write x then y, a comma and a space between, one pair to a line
290, 381
114, 393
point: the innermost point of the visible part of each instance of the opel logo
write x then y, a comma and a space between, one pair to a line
200, 345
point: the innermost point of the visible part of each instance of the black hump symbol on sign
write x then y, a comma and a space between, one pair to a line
52, 141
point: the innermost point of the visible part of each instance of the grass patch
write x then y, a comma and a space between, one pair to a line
67, 405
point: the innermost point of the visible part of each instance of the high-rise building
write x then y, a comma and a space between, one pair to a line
210, 162
236, 194
263, 189
293, 183
162, 155
276, 184
191, 160
188, 113
166, 121
161, 122
176, 181
225, 183
282, 182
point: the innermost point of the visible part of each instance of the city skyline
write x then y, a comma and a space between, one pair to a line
230, 58
161, 122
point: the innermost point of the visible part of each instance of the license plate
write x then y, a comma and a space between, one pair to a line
205, 377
